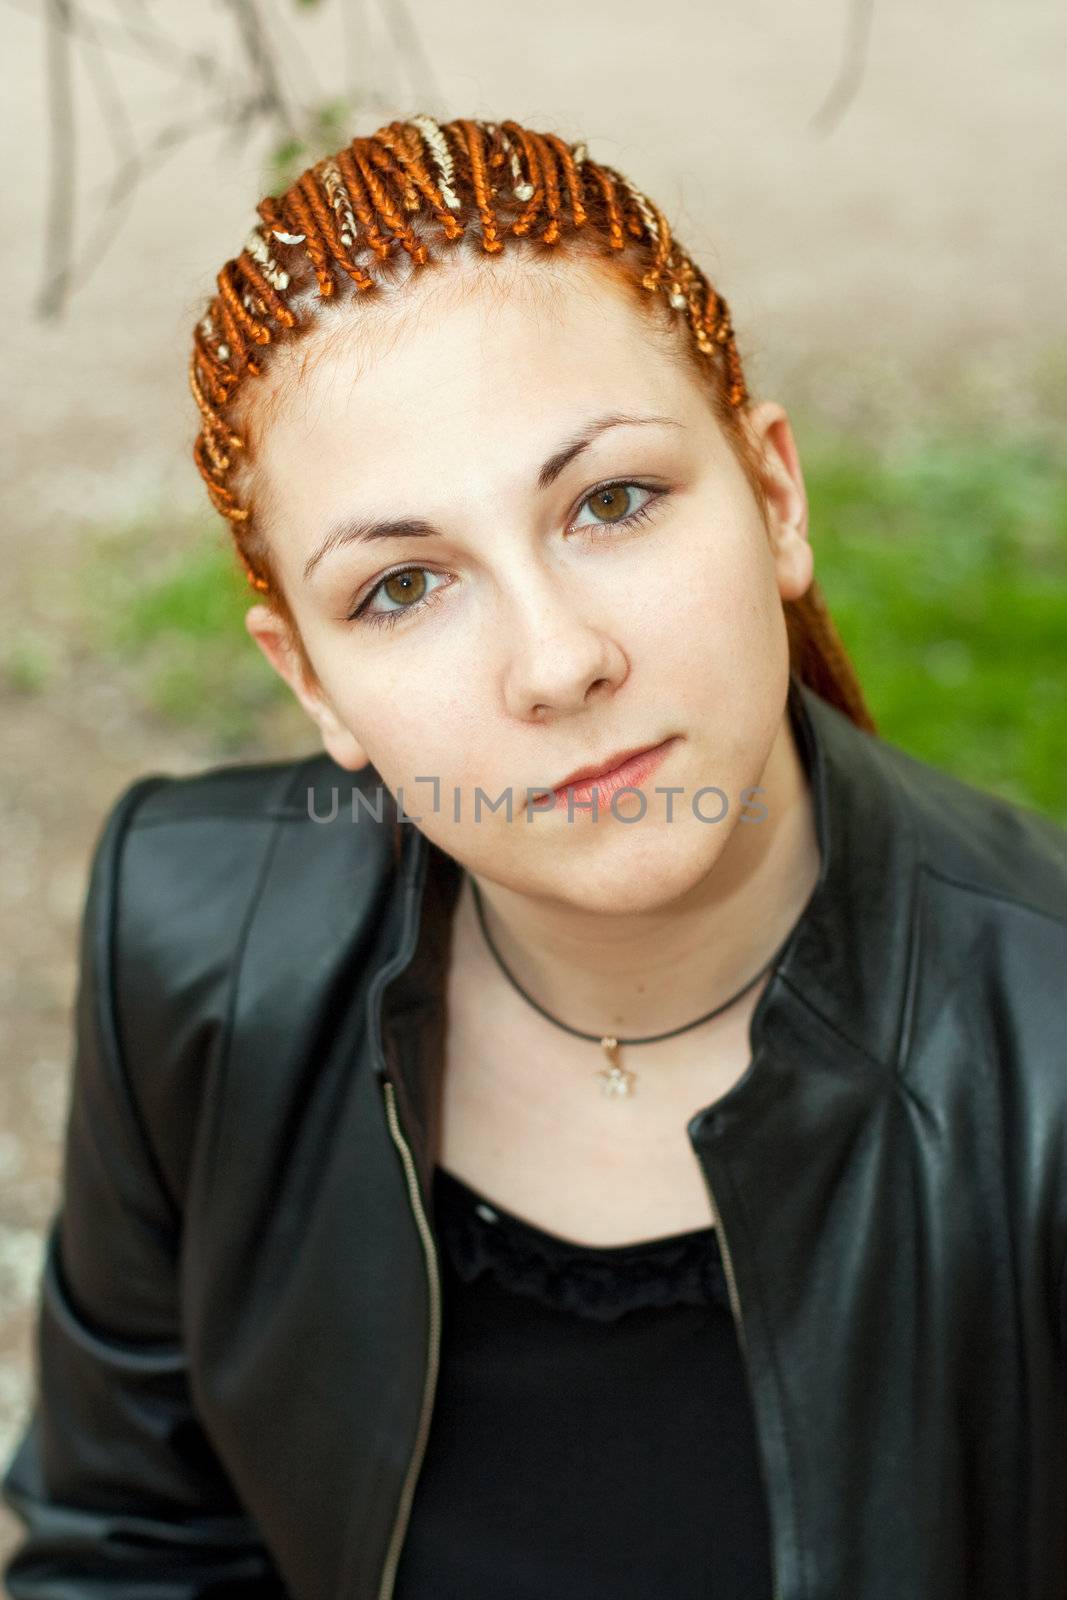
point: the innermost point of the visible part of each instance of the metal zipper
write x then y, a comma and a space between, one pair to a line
735, 1307
396, 1538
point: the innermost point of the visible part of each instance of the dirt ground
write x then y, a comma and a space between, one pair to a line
912, 262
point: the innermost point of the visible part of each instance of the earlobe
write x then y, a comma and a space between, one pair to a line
794, 566
338, 741
347, 753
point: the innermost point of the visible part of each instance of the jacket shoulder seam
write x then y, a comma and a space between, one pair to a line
130, 819
233, 980
989, 892
266, 814
111, 850
279, 805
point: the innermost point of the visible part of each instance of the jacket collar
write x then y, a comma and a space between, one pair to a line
849, 958
851, 952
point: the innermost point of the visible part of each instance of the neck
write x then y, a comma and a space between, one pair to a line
648, 972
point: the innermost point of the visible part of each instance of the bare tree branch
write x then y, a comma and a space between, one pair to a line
846, 85
59, 227
112, 107
139, 167
409, 47
155, 40
133, 41
231, 101
297, 60
355, 47
261, 60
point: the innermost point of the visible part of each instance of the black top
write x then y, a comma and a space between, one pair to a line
591, 1436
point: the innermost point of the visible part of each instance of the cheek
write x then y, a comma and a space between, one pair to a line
718, 646
719, 596
420, 726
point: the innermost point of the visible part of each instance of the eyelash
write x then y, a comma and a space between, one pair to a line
386, 619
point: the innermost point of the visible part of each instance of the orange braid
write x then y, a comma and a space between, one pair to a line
534, 185
547, 161
611, 201
571, 173
269, 298
361, 202
415, 185
383, 201
403, 142
382, 154
323, 245
473, 137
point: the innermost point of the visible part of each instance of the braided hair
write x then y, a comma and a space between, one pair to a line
358, 221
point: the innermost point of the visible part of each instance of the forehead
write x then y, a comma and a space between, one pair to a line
492, 341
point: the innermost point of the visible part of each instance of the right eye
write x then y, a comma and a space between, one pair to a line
405, 584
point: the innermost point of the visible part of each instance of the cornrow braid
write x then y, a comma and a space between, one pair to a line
478, 157
406, 190
551, 181
528, 187
385, 206
442, 157
571, 161
611, 201
404, 141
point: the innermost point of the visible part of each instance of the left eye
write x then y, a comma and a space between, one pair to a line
612, 504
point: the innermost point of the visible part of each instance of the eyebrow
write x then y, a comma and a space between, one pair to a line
356, 530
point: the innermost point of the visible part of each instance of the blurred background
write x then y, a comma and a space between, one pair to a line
877, 189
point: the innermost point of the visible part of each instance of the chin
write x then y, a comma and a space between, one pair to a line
633, 874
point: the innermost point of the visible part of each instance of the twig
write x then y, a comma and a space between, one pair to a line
296, 57
408, 43
846, 85
59, 227
140, 166
113, 110
353, 56
261, 60
80, 23
131, 29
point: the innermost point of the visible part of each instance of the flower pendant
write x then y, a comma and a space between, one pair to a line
618, 1081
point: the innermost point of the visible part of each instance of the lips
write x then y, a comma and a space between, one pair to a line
625, 771
606, 768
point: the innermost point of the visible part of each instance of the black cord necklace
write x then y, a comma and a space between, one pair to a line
618, 1080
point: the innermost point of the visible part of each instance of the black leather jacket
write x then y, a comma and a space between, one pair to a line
240, 1307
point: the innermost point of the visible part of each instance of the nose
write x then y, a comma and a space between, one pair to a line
558, 655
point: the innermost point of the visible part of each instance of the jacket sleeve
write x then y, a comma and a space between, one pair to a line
116, 1483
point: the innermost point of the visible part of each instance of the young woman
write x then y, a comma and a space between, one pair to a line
598, 1128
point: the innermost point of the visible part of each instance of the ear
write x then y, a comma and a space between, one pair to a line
787, 501
272, 637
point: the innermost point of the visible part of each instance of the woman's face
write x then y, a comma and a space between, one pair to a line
489, 607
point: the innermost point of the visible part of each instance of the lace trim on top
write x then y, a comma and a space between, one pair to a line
601, 1282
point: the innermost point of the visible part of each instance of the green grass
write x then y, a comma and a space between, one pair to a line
27, 666
945, 566
175, 625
